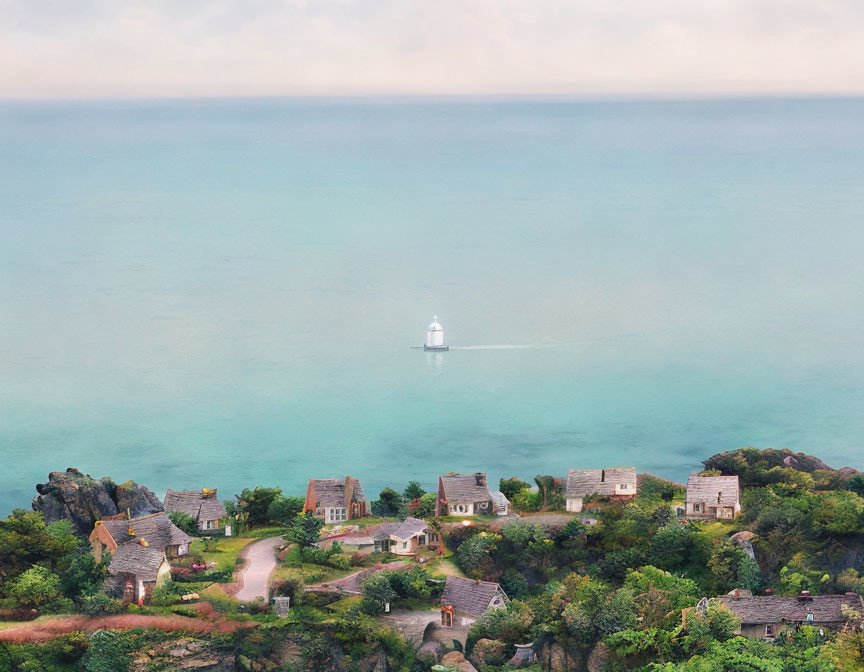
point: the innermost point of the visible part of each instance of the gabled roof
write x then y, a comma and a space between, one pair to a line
464, 488
200, 504
334, 492
773, 609
156, 528
470, 596
584, 482
135, 558
500, 499
709, 488
408, 528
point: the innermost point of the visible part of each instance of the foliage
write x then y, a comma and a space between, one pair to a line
512, 486
80, 572
185, 522
305, 530
109, 651
38, 588
423, 507
512, 624
388, 504
25, 540
652, 487
412, 491
856, 484
283, 510
377, 592
256, 503
98, 603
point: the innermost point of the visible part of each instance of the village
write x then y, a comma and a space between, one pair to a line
453, 571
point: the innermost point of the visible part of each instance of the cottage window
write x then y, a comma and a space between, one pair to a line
336, 515
404, 545
433, 536
810, 617
421, 540
459, 508
769, 630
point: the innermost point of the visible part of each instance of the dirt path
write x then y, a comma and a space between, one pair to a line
260, 558
351, 583
45, 629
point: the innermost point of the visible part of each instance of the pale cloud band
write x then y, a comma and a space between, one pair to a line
110, 48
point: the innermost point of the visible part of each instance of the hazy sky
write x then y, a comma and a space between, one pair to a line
115, 48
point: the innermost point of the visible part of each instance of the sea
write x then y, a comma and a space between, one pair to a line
228, 293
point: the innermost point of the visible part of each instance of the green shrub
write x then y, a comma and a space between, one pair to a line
109, 651
98, 604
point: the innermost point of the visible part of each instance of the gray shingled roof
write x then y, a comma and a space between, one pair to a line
469, 596
773, 609
463, 488
142, 561
330, 492
408, 528
708, 488
584, 482
156, 528
195, 503
500, 500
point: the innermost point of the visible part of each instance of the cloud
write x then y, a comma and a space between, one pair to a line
437, 47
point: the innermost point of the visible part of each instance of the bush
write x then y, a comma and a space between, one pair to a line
38, 588
99, 604
109, 651
164, 596
185, 522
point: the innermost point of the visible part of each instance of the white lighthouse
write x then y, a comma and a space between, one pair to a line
435, 337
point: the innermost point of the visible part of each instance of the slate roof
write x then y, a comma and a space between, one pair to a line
195, 503
330, 492
773, 609
706, 489
156, 528
584, 482
408, 528
463, 488
500, 499
469, 596
142, 561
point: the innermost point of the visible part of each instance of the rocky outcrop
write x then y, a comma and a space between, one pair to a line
183, 654
488, 652
81, 499
523, 657
599, 658
457, 660
555, 658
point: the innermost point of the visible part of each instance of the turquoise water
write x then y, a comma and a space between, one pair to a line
224, 294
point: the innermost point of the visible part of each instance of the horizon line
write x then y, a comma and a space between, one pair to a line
670, 97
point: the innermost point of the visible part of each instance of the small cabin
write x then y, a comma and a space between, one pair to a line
335, 500
463, 495
712, 497
616, 483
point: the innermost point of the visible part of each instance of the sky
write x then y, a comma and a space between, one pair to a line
596, 48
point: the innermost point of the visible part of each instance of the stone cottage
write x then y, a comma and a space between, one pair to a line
465, 600
463, 495
157, 529
617, 483
712, 497
335, 500
766, 616
201, 505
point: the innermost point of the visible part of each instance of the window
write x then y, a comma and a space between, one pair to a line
460, 508
810, 617
336, 515
769, 630
421, 540
404, 545
433, 536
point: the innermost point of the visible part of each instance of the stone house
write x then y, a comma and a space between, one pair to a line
202, 505
766, 616
335, 500
406, 538
501, 504
712, 497
463, 495
465, 600
617, 483
109, 534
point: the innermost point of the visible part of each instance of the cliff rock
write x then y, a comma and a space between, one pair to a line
183, 654
488, 652
81, 499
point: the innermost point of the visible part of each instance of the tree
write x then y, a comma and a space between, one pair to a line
305, 530
282, 510
185, 522
257, 502
512, 486
389, 503
377, 592
424, 507
109, 651
856, 484
81, 574
37, 588
25, 540
413, 491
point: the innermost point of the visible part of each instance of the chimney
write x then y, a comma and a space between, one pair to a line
602, 475
480, 479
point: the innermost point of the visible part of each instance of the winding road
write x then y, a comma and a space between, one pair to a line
260, 559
